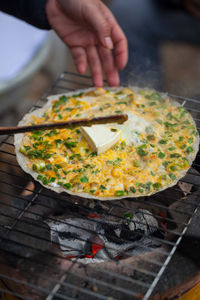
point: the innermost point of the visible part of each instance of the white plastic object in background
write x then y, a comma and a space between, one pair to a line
19, 43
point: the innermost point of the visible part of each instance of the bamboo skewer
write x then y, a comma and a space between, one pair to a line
120, 118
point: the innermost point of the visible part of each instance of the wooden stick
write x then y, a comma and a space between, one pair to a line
68, 124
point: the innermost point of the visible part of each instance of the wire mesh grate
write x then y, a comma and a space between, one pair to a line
31, 268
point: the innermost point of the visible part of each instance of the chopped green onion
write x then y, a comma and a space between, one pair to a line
132, 189
128, 215
58, 141
189, 149
22, 150
39, 166
44, 180
52, 179
76, 155
102, 187
195, 132
63, 98
156, 185
172, 176
77, 95
175, 155
92, 154
70, 144
172, 148
154, 96
170, 125
163, 141
181, 138
114, 162
49, 166
147, 186
84, 179
122, 102
51, 132
173, 168
58, 166
190, 140
152, 103
119, 193
161, 155
67, 185
150, 137
165, 163
39, 177
141, 152
123, 145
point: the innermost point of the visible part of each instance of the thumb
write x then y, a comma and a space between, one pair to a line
99, 23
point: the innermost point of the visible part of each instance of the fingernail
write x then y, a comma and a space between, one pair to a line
109, 43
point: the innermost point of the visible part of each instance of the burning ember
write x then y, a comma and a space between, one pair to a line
99, 237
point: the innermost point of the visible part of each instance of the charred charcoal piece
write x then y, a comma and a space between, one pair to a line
128, 235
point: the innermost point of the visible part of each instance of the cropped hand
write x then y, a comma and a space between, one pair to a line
93, 36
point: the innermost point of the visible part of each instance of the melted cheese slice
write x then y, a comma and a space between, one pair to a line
100, 137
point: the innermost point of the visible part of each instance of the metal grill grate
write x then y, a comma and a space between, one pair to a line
32, 269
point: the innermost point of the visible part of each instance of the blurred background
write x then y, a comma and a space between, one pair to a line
163, 48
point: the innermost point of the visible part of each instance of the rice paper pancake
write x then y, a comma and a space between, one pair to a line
157, 145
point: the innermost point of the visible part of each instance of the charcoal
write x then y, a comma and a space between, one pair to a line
115, 236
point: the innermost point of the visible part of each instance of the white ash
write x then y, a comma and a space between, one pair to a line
119, 237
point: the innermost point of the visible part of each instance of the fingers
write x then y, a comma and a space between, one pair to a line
98, 61
94, 15
116, 39
95, 66
121, 47
109, 67
111, 35
80, 59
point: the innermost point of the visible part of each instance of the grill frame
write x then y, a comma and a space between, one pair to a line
67, 82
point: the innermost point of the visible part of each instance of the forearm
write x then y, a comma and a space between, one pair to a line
31, 11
